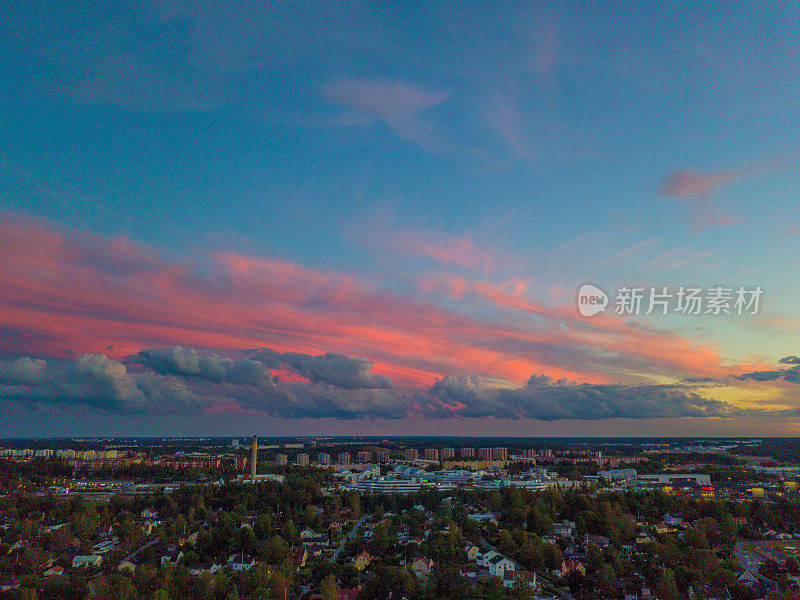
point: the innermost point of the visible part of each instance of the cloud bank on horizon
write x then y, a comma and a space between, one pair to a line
182, 381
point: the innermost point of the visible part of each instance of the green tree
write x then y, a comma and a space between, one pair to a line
666, 588
328, 588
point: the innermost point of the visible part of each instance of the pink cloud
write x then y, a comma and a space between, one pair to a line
66, 292
686, 184
701, 187
444, 249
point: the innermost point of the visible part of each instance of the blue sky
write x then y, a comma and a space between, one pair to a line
411, 151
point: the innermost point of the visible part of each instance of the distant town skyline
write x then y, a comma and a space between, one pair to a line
307, 218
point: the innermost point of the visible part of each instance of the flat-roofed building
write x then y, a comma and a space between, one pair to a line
431, 454
388, 485
499, 453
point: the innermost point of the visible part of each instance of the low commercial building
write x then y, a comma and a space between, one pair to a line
675, 479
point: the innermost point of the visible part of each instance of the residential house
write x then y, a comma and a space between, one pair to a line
643, 538
570, 565
499, 564
663, 529
335, 528
87, 561
241, 562
522, 577
54, 571
483, 517
550, 538
483, 559
564, 528
349, 593
714, 592
172, 556
600, 540
470, 571
675, 519
316, 549
191, 539
311, 538
204, 567
128, 565
472, 551
747, 578
422, 566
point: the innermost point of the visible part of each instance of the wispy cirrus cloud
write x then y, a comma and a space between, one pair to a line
700, 187
688, 184
505, 119
399, 105
435, 245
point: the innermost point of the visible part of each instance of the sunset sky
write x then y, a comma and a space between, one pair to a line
305, 218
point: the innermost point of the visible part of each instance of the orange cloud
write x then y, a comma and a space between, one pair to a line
64, 292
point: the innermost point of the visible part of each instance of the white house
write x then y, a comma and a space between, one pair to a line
483, 559
498, 565
204, 567
241, 562
88, 560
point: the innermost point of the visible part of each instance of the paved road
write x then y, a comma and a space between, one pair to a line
349, 536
